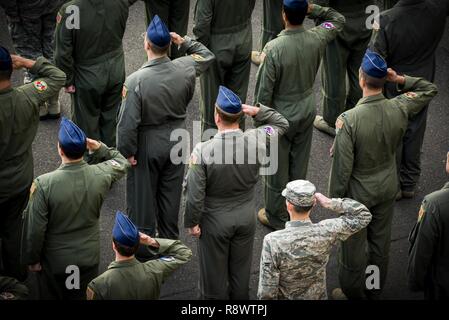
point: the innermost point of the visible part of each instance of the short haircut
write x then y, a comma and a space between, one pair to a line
125, 250
5, 75
373, 83
295, 16
72, 155
301, 209
228, 118
156, 49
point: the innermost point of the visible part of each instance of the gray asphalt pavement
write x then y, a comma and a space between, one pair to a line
183, 284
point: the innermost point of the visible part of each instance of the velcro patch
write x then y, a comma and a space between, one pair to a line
167, 259
327, 25
339, 124
269, 130
124, 92
411, 95
197, 57
40, 85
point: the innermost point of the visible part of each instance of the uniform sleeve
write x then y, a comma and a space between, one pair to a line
355, 217
14, 287
379, 39
35, 224
173, 255
268, 121
112, 162
195, 189
331, 22
130, 117
343, 160
269, 274
64, 47
203, 18
417, 94
266, 79
48, 82
426, 235
198, 55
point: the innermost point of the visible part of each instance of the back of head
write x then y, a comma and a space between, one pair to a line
5, 64
374, 70
125, 235
158, 36
72, 140
295, 11
228, 106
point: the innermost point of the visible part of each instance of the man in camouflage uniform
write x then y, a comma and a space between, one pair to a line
19, 119
293, 262
225, 28
285, 83
220, 194
127, 278
32, 27
428, 264
341, 61
364, 166
61, 221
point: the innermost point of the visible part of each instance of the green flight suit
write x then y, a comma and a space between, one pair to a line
220, 197
272, 21
93, 59
133, 280
342, 60
11, 289
225, 28
61, 221
364, 169
285, 82
19, 119
174, 13
154, 106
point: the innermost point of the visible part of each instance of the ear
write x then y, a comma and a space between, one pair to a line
60, 152
146, 44
217, 117
288, 205
113, 246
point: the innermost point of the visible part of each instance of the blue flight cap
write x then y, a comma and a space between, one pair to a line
5, 60
124, 231
71, 138
228, 101
296, 4
374, 65
158, 32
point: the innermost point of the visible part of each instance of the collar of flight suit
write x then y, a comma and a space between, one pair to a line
73, 165
123, 263
286, 32
370, 99
155, 62
298, 223
228, 133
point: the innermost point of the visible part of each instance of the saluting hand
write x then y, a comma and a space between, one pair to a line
177, 39
19, 62
250, 110
93, 145
392, 76
195, 231
323, 201
148, 241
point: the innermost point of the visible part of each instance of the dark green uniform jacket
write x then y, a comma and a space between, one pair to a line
62, 217
428, 265
19, 118
11, 289
132, 280
364, 160
30, 8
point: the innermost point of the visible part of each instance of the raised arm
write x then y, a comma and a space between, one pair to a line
330, 21
198, 55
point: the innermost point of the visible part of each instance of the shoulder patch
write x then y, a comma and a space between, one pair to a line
269, 130
32, 189
197, 57
90, 294
421, 213
327, 25
40, 85
124, 92
167, 259
193, 160
411, 95
7, 296
58, 18
339, 124
114, 163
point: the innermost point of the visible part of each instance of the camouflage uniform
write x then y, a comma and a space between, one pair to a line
293, 262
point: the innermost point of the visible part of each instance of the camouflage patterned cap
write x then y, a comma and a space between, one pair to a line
300, 193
